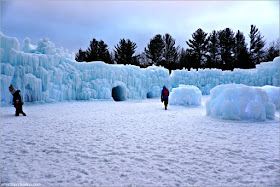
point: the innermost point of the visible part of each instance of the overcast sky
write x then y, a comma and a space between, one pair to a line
73, 24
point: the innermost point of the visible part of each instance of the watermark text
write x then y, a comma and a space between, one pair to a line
20, 184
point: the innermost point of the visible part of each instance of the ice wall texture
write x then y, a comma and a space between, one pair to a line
240, 102
266, 73
45, 73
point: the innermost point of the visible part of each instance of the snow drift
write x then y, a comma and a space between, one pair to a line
45, 73
185, 95
135, 144
240, 102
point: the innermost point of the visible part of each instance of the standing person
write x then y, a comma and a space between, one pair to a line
17, 100
164, 96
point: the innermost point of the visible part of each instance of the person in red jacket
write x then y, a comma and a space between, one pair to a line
17, 100
164, 96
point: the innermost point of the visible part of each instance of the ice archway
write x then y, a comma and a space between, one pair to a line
119, 92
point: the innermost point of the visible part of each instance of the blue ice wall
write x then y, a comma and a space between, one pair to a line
45, 73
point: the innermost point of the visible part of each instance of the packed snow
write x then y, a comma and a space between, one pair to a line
185, 95
240, 102
45, 73
135, 143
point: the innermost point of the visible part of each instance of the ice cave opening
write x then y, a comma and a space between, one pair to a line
150, 95
119, 93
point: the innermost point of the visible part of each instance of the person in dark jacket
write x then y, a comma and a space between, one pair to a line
17, 102
164, 96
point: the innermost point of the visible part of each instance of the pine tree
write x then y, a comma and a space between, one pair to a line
198, 48
260, 49
256, 45
226, 38
272, 51
241, 55
191, 60
112, 56
144, 61
92, 51
81, 56
124, 52
213, 48
170, 52
154, 50
97, 51
103, 53
182, 59
186, 59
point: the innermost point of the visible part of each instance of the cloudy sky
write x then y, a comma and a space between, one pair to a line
73, 24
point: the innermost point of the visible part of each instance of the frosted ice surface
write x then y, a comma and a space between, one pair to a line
240, 102
45, 73
273, 94
27, 46
185, 95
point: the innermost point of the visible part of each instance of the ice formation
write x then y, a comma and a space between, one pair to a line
45, 73
240, 102
266, 73
273, 94
185, 95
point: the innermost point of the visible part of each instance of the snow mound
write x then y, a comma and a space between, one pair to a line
185, 95
273, 94
240, 102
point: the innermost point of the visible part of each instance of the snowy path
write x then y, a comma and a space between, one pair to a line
135, 143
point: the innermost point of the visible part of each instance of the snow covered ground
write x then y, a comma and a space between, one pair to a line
94, 143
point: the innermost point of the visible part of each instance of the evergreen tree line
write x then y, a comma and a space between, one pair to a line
222, 49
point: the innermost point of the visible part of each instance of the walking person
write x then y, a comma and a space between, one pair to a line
164, 96
17, 100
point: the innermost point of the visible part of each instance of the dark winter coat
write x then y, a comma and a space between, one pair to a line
17, 99
164, 93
